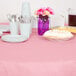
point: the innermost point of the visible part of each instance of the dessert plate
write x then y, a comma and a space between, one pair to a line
58, 35
14, 38
71, 29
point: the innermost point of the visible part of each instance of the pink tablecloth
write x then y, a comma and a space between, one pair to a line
38, 57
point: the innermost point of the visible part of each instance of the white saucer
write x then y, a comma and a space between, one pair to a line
1, 33
4, 28
14, 38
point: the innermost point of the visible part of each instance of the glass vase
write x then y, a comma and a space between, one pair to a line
43, 24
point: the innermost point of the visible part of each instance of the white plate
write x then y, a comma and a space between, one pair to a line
14, 38
4, 28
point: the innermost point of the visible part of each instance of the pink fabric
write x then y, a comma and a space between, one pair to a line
38, 57
6, 23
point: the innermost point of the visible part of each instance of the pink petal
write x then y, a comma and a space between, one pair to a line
40, 10
52, 13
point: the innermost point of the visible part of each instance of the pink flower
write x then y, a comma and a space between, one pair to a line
44, 11
40, 11
50, 10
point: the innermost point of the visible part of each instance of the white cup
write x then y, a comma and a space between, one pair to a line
25, 29
14, 28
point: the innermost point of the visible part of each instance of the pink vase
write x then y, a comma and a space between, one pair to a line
43, 24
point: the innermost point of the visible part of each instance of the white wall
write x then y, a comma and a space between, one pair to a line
14, 6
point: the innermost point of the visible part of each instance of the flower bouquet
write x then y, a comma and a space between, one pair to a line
43, 19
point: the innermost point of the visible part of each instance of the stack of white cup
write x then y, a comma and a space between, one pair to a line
26, 10
25, 28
